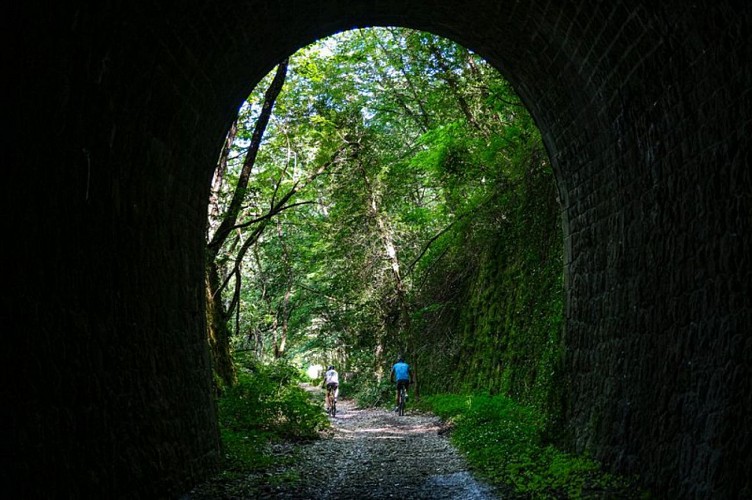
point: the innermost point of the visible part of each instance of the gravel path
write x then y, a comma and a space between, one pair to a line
373, 454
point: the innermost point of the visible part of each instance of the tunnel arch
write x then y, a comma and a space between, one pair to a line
644, 109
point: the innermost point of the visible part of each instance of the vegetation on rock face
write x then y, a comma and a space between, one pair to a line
491, 318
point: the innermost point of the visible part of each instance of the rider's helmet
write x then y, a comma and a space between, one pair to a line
331, 367
401, 359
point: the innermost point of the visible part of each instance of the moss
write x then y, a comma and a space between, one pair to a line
507, 331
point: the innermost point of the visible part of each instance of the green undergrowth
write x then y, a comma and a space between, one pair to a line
372, 393
504, 443
265, 406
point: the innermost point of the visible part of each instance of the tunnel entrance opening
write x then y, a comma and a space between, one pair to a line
387, 152
399, 200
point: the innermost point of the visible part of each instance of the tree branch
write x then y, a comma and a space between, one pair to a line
442, 232
225, 227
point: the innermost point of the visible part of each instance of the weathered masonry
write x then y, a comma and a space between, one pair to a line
120, 109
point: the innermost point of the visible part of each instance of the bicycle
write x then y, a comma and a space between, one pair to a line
331, 401
401, 399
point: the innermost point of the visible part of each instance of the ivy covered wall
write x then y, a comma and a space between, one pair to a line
492, 313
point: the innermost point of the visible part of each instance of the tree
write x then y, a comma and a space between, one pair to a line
224, 224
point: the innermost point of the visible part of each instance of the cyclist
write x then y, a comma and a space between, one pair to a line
331, 382
403, 375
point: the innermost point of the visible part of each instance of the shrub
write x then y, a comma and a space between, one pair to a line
370, 392
503, 441
265, 404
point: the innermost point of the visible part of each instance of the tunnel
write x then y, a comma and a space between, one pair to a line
119, 114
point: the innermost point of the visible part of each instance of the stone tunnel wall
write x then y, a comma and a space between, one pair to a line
645, 110
109, 381
657, 189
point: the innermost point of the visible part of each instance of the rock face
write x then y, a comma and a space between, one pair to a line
120, 114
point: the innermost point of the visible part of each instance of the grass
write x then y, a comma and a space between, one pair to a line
504, 443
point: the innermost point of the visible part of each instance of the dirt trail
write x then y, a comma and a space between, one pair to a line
374, 453
370, 454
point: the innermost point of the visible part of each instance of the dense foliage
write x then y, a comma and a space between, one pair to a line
265, 405
400, 201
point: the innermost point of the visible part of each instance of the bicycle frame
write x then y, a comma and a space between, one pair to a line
331, 403
401, 403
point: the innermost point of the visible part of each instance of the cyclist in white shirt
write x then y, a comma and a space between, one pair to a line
331, 382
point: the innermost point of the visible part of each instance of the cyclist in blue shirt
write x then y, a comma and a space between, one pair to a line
403, 375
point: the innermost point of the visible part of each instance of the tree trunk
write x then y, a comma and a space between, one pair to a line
219, 331
233, 211
218, 334
397, 323
281, 343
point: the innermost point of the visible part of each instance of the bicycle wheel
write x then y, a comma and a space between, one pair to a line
402, 402
334, 408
